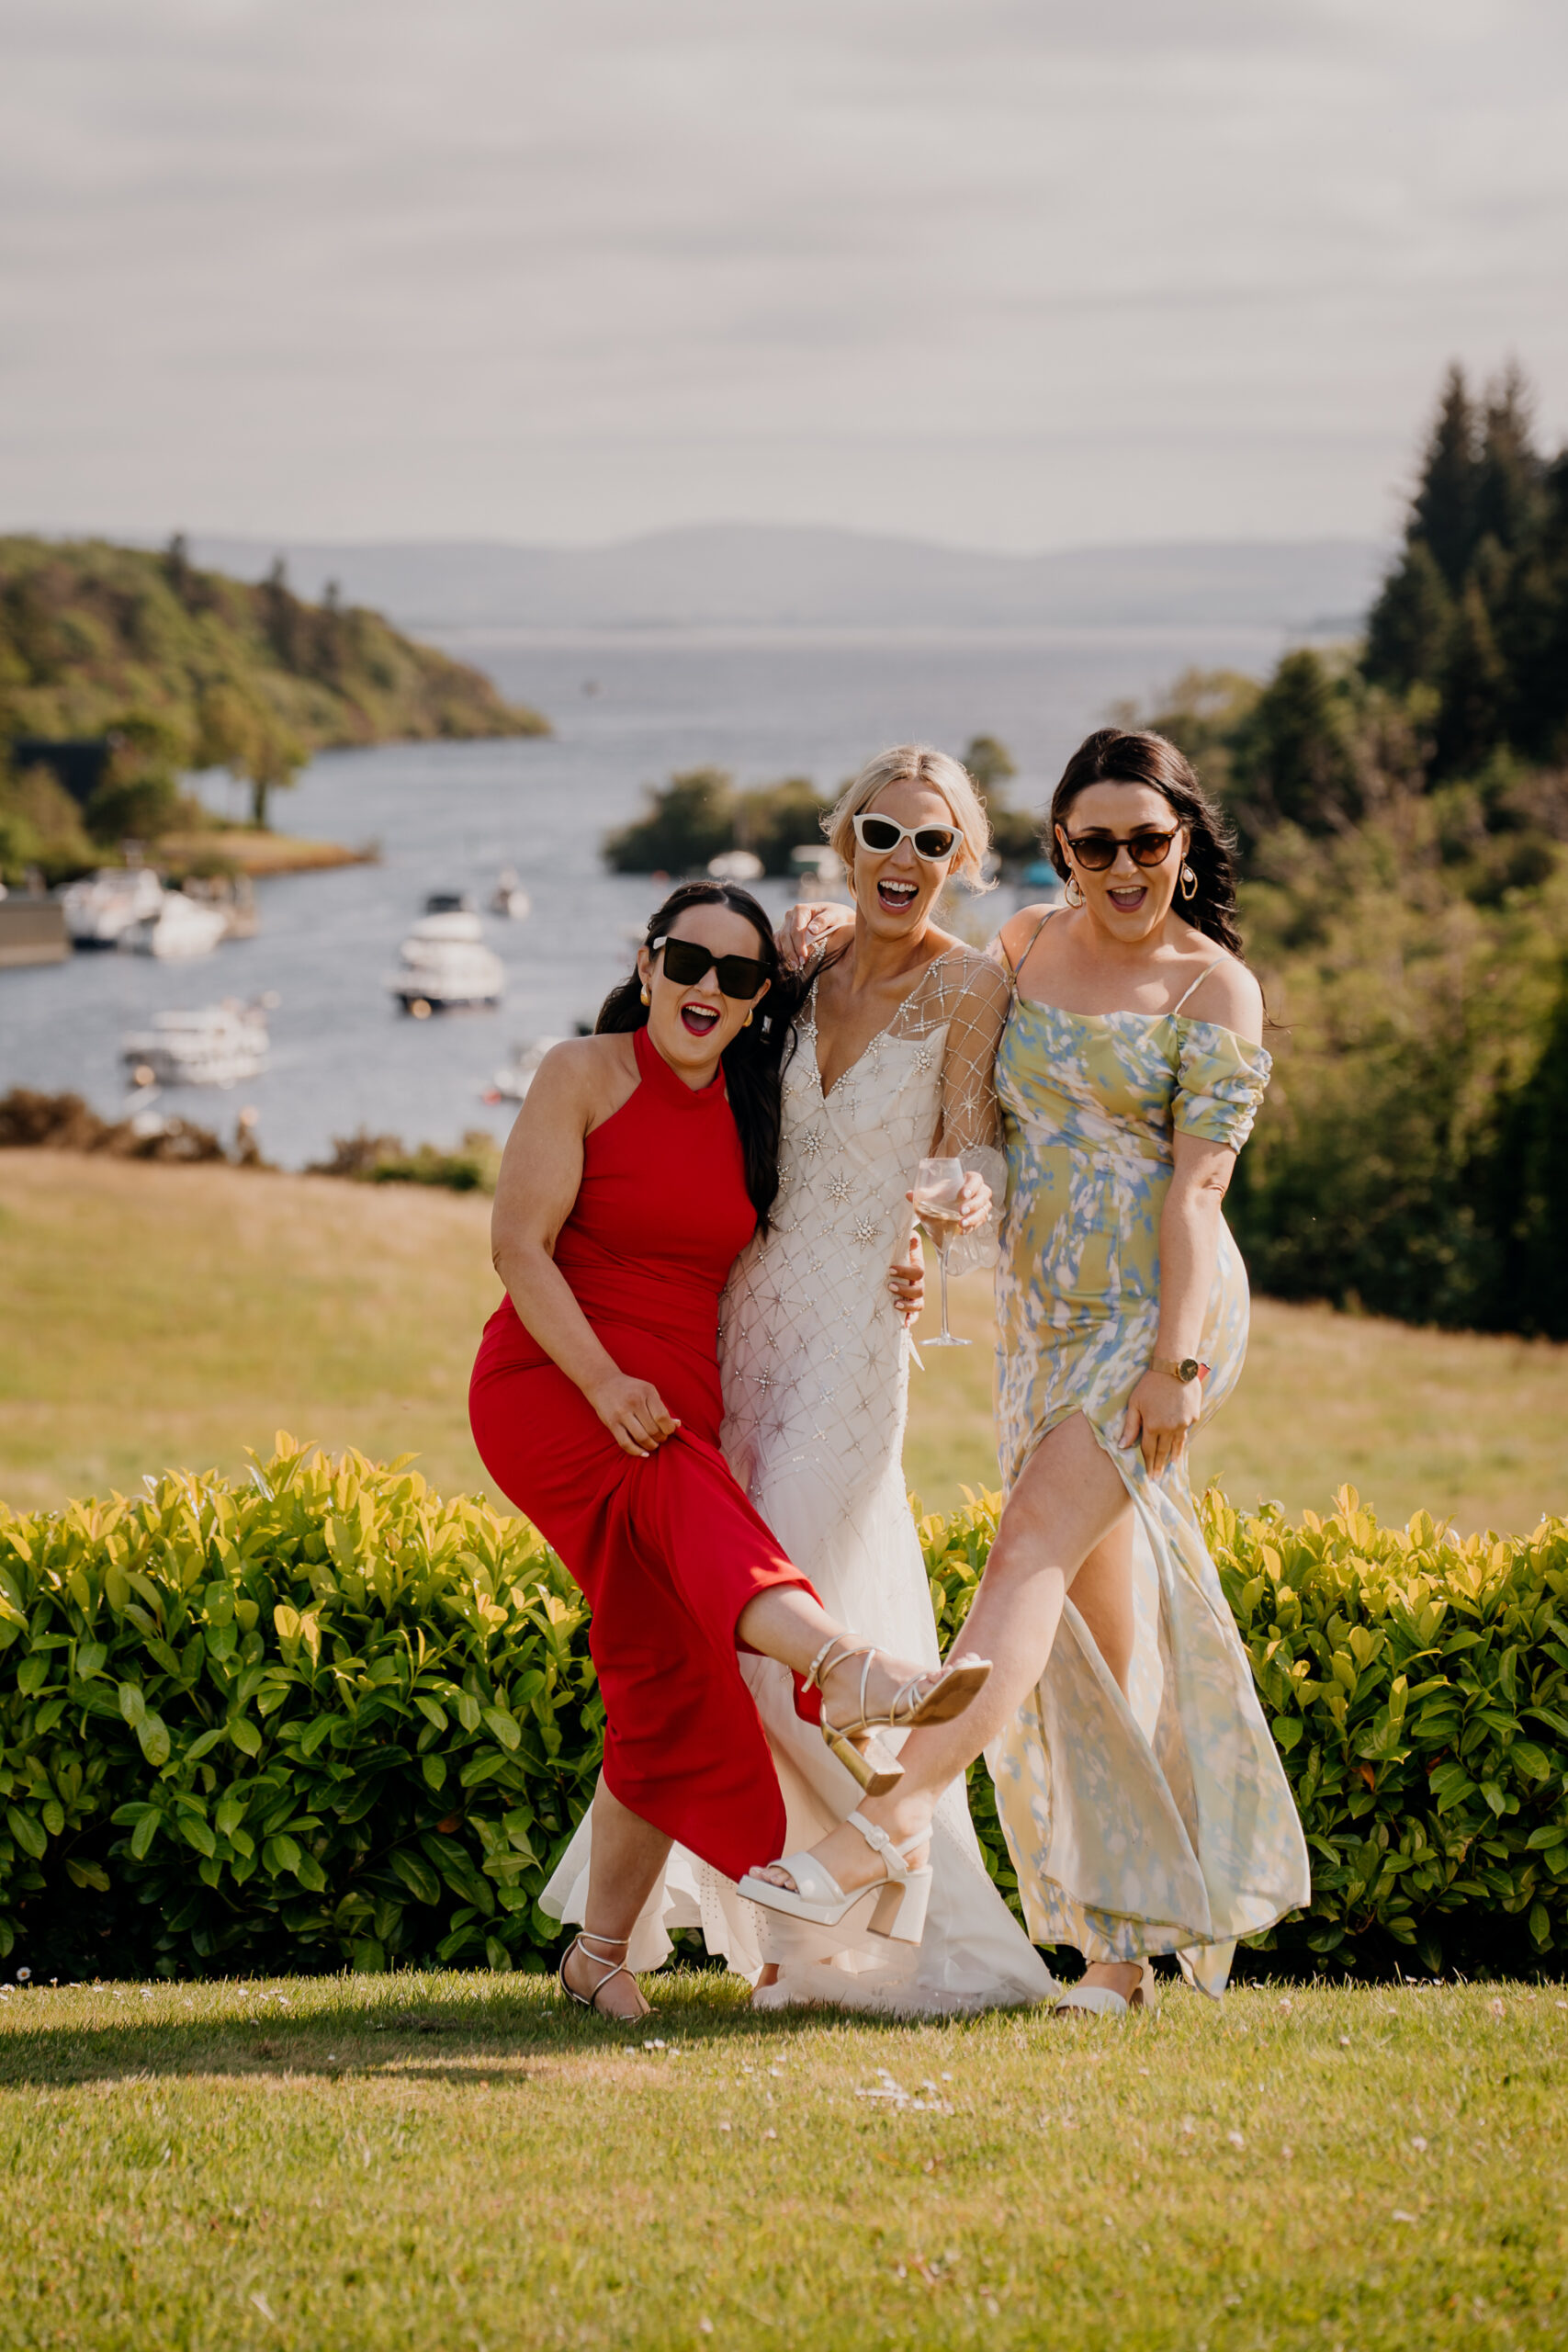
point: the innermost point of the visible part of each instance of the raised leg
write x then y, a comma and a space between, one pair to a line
785, 1622
1068, 1502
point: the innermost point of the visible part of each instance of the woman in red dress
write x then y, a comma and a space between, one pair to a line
640, 1164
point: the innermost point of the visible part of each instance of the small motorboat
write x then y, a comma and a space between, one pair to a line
509, 897
178, 931
512, 1081
217, 1044
736, 866
444, 965
102, 906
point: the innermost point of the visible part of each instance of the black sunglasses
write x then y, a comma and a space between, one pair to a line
686, 962
1097, 851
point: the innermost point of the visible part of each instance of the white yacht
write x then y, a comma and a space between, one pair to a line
443, 964
101, 907
179, 928
217, 1044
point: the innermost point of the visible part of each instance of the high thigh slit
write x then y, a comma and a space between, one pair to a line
1161, 1821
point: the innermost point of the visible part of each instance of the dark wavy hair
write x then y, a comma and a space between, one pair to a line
754, 1059
1123, 755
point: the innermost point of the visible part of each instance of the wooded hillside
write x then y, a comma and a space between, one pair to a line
190, 669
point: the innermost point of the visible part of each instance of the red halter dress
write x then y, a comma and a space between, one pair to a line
667, 1550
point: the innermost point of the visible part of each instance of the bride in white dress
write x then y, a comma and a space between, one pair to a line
893, 1061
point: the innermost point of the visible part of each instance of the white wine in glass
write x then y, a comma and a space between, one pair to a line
938, 1186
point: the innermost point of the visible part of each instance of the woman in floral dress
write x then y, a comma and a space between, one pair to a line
1142, 1800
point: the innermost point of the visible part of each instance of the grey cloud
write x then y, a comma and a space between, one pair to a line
376, 267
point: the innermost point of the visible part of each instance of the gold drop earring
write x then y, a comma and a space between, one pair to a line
1189, 882
746, 1023
645, 997
1072, 891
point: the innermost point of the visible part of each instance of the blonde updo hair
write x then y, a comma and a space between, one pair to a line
917, 764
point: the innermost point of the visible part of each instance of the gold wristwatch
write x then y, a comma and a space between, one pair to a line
1182, 1368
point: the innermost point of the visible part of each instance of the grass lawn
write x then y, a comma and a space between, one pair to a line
463, 2161
173, 1315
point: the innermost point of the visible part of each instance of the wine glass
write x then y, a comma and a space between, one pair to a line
938, 1185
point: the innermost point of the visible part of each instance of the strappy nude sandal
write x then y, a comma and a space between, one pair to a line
611, 1969
925, 1699
1100, 2001
892, 1905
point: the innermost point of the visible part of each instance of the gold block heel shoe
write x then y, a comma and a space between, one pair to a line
932, 1698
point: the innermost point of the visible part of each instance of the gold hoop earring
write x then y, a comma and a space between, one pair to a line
746, 1023
1189, 882
1072, 891
645, 997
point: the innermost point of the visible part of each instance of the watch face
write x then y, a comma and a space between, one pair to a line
1187, 1368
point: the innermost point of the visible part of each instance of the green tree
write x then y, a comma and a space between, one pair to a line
1444, 511
1474, 690
689, 820
773, 819
991, 766
1295, 754
1407, 630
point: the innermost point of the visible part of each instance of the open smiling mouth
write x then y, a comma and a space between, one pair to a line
699, 1020
1127, 898
896, 897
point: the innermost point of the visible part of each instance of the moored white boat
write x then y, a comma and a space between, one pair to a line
443, 964
512, 1081
179, 930
216, 1044
103, 906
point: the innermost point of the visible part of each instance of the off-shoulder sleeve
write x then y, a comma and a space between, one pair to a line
1221, 1081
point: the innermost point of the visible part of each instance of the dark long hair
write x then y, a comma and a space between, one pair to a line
754, 1058
1122, 755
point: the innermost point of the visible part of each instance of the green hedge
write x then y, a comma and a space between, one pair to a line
329, 1718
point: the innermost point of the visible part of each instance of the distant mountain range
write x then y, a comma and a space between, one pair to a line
749, 575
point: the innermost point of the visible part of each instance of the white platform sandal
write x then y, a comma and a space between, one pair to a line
1100, 2001
611, 1968
932, 1698
815, 1919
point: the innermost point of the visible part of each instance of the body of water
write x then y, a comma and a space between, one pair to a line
627, 710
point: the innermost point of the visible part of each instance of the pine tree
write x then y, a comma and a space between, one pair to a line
1443, 511
1509, 473
1474, 688
1407, 630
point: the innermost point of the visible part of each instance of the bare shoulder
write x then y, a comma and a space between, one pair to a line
582, 1074
1228, 995
1021, 928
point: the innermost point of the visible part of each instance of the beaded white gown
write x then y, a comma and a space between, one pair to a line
816, 1368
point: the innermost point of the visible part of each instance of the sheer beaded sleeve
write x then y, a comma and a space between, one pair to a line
966, 997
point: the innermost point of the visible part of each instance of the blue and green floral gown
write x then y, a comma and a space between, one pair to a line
1166, 1823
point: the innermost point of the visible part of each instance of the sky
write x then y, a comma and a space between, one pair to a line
1007, 274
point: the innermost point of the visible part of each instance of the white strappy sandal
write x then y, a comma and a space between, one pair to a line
611, 1968
815, 1919
1100, 2001
925, 1699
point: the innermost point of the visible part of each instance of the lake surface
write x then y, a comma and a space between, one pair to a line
627, 711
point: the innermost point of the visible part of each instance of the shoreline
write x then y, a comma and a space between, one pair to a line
256, 855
